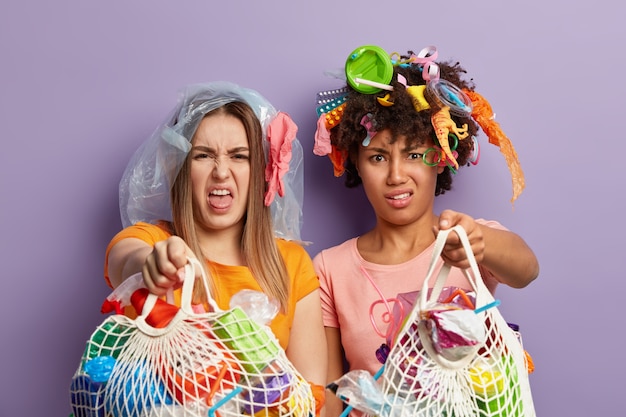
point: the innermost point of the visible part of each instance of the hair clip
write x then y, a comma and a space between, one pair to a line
367, 123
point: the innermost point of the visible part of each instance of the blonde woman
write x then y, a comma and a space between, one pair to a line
226, 153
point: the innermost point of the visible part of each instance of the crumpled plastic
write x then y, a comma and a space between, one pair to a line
455, 332
256, 304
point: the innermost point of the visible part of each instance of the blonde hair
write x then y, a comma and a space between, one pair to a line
258, 244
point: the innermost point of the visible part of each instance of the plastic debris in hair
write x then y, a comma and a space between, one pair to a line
475, 155
385, 101
484, 116
368, 70
333, 117
330, 99
368, 124
444, 125
448, 94
441, 160
322, 145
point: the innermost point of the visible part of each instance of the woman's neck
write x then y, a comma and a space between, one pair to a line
388, 244
222, 246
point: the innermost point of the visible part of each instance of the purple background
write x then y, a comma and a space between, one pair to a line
82, 84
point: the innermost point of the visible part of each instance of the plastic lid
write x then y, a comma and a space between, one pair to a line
371, 63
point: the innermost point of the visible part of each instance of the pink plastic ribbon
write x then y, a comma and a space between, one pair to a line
322, 146
281, 132
402, 79
427, 56
388, 317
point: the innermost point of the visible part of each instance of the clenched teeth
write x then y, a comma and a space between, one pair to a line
220, 192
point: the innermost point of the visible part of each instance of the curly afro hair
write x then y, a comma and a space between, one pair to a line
402, 119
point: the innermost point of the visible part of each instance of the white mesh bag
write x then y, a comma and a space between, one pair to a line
170, 361
428, 374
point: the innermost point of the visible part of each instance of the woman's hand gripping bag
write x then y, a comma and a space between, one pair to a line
172, 361
453, 360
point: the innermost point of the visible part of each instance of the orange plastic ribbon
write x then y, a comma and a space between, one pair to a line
338, 158
483, 115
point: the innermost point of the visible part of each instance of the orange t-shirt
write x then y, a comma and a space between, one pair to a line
230, 279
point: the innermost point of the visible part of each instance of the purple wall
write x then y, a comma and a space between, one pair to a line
82, 84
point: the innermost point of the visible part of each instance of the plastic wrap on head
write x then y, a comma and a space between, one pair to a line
144, 190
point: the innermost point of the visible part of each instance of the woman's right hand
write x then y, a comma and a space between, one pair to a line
164, 266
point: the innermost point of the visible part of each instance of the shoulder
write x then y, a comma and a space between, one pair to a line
149, 233
288, 245
294, 255
491, 223
340, 251
299, 267
291, 248
159, 231
336, 260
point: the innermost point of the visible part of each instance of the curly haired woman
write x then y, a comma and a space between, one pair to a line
403, 133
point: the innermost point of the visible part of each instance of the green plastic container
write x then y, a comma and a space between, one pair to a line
370, 63
246, 339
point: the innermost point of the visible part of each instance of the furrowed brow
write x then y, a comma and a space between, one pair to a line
377, 150
410, 148
201, 148
238, 149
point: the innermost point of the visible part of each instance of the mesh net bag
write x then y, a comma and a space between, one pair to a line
455, 361
170, 361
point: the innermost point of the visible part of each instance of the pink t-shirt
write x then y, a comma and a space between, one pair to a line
348, 294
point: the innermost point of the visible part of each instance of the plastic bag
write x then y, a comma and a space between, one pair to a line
170, 361
478, 372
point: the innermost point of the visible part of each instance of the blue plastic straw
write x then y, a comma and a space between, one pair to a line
224, 400
496, 303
